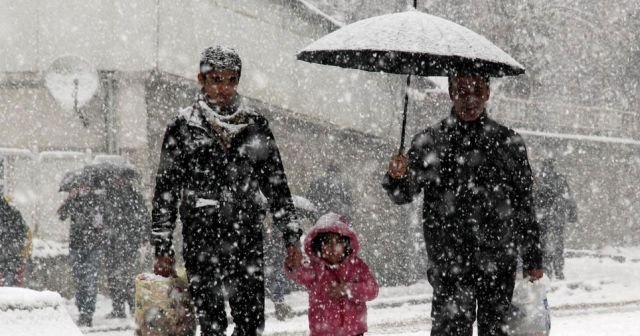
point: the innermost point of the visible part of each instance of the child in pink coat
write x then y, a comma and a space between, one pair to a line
339, 283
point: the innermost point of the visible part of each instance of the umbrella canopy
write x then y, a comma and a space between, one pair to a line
412, 43
97, 175
74, 179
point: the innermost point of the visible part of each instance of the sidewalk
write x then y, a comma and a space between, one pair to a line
598, 282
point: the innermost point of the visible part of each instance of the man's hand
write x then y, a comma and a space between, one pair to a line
337, 290
165, 266
534, 274
293, 261
398, 166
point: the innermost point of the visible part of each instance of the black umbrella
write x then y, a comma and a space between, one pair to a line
74, 179
411, 43
97, 175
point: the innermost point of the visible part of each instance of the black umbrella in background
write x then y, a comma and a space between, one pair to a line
97, 175
411, 43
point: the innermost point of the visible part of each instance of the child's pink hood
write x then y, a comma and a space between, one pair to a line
336, 317
334, 223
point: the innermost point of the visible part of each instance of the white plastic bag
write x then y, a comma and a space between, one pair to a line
530, 314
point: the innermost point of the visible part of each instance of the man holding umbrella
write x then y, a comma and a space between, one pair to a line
217, 156
478, 214
478, 210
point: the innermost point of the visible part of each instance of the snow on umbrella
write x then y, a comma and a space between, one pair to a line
74, 179
103, 172
411, 43
97, 175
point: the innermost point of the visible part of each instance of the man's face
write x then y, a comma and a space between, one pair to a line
469, 95
220, 85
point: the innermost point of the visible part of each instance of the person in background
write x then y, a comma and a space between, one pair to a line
338, 281
13, 235
332, 192
555, 207
85, 207
128, 227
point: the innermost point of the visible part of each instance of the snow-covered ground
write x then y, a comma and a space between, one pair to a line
601, 296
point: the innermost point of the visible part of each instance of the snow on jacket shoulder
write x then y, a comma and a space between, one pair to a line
328, 316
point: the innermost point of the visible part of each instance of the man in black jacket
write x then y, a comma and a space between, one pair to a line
478, 214
216, 157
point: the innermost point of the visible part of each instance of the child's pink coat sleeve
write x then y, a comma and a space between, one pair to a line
366, 288
304, 275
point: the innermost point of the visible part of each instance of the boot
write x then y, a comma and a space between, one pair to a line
116, 314
84, 321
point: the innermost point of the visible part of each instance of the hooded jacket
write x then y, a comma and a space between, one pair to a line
216, 173
327, 316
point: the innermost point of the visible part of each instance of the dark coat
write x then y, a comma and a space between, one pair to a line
13, 233
331, 193
477, 185
218, 186
86, 212
128, 219
555, 203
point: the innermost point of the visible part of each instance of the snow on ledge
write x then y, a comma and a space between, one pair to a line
27, 299
26, 312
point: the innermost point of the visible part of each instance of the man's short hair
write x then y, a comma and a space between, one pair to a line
220, 58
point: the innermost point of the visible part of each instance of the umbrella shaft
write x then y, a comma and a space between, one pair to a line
404, 115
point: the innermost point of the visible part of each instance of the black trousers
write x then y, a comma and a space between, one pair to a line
227, 264
458, 292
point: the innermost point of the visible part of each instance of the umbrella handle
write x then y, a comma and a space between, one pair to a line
404, 116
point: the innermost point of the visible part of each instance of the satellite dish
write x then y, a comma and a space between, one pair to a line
72, 81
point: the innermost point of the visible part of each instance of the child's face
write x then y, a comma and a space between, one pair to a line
332, 249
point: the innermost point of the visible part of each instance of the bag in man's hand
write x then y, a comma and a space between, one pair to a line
163, 306
530, 315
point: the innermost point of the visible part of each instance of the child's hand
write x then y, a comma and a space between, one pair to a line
337, 290
293, 261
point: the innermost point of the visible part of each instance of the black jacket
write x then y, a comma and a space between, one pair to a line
331, 192
555, 203
127, 216
87, 214
13, 233
477, 188
218, 186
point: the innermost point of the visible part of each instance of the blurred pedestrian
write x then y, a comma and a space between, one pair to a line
85, 206
555, 207
13, 235
128, 227
338, 281
332, 192
478, 211
276, 282
216, 157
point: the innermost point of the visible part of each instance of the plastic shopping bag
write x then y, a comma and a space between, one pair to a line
530, 315
163, 306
